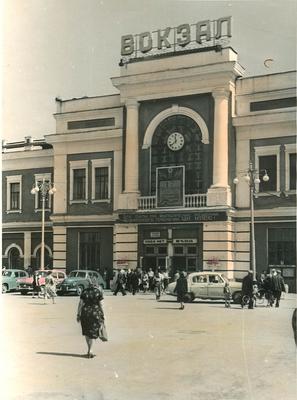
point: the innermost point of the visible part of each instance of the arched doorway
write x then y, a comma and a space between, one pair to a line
48, 261
14, 259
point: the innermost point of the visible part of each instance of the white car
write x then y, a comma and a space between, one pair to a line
208, 285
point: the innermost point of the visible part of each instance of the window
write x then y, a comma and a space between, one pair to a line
292, 172
162, 250
267, 158
79, 181
101, 177
14, 194
39, 178
268, 164
290, 168
101, 183
178, 250
281, 246
79, 184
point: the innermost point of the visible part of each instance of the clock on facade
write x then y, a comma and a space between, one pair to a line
175, 141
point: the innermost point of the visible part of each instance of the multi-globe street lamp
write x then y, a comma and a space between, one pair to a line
45, 188
253, 178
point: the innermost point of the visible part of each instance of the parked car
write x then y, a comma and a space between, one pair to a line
208, 285
11, 278
79, 280
26, 284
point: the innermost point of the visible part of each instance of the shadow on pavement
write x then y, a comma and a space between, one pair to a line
166, 308
52, 353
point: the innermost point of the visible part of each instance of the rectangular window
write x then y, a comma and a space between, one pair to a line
45, 178
39, 197
101, 180
101, 183
268, 163
15, 196
292, 171
178, 250
79, 184
281, 246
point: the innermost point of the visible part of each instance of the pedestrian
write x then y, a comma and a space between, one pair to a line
120, 283
134, 282
35, 286
247, 289
181, 289
29, 270
151, 279
158, 282
227, 295
267, 285
145, 282
91, 315
278, 286
50, 287
294, 325
165, 279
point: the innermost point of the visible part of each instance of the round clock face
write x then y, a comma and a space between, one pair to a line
175, 141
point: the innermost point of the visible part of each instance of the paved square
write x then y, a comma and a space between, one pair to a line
155, 351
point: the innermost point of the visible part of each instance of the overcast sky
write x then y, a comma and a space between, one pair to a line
71, 48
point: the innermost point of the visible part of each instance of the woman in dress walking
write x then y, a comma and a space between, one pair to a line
50, 287
181, 289
91, 316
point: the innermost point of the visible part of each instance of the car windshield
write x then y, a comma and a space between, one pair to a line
73, 274
6, 273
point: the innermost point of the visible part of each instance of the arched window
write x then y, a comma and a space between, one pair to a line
189, 153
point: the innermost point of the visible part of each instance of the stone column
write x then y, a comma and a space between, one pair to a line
219, 194
128, 199
131, 156
27, 249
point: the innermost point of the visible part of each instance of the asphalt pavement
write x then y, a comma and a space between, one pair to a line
155, 351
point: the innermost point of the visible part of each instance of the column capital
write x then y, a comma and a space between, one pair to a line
220, 93
132, 103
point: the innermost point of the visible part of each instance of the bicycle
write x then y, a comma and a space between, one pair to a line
258, 298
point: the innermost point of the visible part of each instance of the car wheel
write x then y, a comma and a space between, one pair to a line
4, 288
236, 297
189, 297
79, 289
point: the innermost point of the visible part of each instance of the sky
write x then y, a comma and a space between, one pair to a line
71, 48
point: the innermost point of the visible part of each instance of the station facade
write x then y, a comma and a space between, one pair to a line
144, 178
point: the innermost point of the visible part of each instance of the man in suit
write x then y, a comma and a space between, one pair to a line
278, 286
247, 288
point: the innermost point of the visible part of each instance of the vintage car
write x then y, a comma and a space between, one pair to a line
11, 278
208, 285
26, 284
78, 280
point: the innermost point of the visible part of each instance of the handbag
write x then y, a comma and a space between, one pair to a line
103, 332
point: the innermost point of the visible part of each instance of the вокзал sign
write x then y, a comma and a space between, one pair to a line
202, 34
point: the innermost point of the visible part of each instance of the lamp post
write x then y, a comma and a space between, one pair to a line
45, 188
253, 178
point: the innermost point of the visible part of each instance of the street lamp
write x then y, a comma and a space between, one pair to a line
253, 177
45, 188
